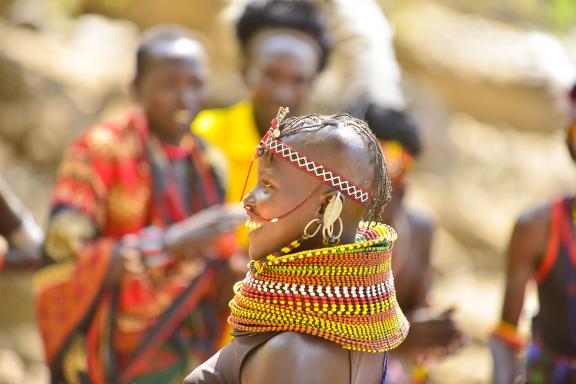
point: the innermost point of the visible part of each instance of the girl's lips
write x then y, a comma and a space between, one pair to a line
254, 216
252, 224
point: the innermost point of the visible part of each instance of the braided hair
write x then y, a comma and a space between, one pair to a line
313, 123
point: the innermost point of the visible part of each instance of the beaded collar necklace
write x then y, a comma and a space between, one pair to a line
343, 294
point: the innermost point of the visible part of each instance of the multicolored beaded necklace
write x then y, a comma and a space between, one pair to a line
344, 294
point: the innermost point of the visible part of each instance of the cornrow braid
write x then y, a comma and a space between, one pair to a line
313, 123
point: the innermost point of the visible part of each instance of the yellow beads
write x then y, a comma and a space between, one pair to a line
343, 294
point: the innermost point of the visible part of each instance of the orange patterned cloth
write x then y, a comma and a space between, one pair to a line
399, 161
112, 186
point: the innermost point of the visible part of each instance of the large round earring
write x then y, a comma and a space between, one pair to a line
307, 235
331, 217
328, 236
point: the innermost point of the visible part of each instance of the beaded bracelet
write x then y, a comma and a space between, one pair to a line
3, 251
146, 247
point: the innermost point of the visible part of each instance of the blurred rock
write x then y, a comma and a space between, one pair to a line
472, 365
40, 14
37, 374
197, 14
489, 175
490, 70
55, 84
12, 369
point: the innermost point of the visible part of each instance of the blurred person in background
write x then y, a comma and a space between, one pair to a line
133, 280
430, 336
284, 46
542, 249
20, 236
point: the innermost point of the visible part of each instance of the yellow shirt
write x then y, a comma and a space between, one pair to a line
234, 132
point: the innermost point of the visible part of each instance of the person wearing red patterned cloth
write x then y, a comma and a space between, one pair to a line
542, 249
135, 260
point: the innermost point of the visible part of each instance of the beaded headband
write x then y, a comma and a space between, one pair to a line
282, 150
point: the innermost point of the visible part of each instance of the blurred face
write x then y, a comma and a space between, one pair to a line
398, 164
280, 71
172, 88
280, 188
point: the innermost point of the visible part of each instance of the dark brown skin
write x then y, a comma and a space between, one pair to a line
279, 71
172, 88
281, 186
305, 359
525, 253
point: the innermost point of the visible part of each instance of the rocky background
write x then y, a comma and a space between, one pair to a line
486, 80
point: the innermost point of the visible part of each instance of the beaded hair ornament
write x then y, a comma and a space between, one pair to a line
271, 143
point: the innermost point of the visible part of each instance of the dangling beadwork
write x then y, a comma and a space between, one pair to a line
330, 218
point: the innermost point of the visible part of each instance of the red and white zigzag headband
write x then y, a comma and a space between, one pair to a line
282, 150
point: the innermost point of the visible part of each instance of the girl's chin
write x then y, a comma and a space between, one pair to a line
257, 253
253, 254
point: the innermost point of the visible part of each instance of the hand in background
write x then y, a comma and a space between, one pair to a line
433, 336
203, 227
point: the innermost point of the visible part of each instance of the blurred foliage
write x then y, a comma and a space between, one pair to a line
562, 13
116, 4
554, 15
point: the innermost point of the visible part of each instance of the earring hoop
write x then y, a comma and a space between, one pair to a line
328, 237
307, 235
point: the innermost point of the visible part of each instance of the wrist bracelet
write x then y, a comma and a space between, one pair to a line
508, 334
3, 251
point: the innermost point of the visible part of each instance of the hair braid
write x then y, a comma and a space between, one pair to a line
313, 123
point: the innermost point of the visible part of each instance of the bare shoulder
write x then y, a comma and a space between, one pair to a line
530, 234
538, 216
533, 225
305, 359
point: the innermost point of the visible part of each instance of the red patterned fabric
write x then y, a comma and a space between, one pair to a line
110, 185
